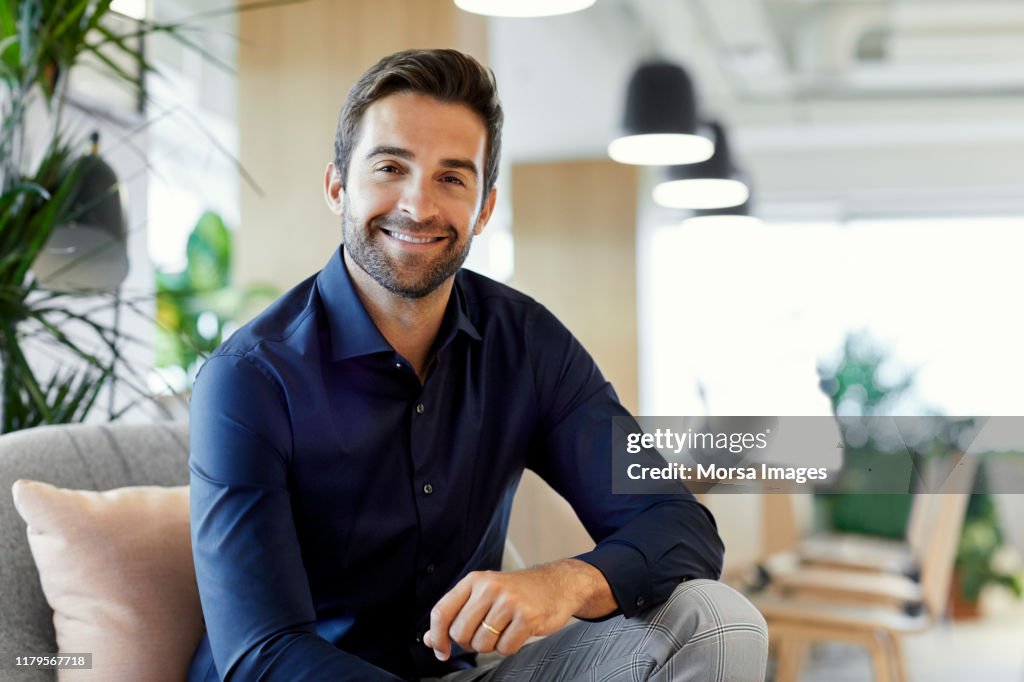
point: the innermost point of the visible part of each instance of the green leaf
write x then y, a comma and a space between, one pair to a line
170, 282
16, 362
209, 254
134, 79
27, 20
72, 18
7, 22
9, 62
40, 218
100, 11
120, 42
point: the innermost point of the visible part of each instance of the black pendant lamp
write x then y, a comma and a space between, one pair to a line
523, 8
714, 183
659, 125
90, 252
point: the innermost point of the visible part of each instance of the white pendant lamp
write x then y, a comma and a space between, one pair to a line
714, 183
523, 8
701, 193
734, 218
659, 125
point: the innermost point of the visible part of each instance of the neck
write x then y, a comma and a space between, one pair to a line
410, 325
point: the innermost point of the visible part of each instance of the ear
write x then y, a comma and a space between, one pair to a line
486, 211
334, 193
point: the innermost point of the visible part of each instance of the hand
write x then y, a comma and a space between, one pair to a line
518, 604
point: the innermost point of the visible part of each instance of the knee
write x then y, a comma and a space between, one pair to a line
716, 605
716, 620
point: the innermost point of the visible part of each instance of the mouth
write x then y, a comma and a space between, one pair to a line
411, 239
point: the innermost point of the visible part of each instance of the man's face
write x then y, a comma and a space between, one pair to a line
413, 197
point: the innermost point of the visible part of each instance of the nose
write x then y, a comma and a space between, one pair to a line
418, 200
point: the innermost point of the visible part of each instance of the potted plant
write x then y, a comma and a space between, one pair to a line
976, 564
41, 189
44, 185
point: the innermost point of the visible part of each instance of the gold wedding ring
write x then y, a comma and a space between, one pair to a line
492, 629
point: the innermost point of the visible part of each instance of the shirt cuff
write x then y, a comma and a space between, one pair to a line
625, 568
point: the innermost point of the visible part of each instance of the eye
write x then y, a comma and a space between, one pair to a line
452, 179
388, 168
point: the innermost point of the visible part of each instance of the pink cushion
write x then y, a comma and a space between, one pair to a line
116, 568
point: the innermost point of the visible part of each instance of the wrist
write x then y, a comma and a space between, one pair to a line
586, 588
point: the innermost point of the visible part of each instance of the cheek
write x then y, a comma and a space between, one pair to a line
370, 200
463, 214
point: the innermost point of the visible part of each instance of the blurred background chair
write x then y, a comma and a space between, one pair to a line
860, 567
808, 603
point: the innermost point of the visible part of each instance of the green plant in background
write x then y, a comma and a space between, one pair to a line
856, 383
28, 213
42, 42
197, 307
980, 542
857, 380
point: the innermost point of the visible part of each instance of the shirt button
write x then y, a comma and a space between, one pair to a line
429, 569
419, 408
640, 601
427, 488
398, 365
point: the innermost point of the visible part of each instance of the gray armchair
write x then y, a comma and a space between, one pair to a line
80, 456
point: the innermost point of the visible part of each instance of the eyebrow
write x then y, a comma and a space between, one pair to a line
402, 153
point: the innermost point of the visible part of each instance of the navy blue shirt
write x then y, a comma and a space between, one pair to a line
335, 499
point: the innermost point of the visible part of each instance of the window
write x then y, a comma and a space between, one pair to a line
749, 314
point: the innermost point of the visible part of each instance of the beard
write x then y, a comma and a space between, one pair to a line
411, 275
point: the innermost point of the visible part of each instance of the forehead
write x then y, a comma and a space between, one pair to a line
423, 125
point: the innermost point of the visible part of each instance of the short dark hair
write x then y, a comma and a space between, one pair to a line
447, 75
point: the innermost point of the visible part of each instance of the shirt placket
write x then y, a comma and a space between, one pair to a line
428, 489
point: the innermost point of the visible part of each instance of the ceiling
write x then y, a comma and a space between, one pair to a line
861, 106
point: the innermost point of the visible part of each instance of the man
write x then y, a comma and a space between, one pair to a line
356, 447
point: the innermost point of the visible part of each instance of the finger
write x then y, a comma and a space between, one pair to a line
467, 623
513, 637
441, 616
486, 639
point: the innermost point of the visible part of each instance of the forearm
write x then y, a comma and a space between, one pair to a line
585, 586
300, 657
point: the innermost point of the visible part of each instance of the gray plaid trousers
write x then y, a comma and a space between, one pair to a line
704, 632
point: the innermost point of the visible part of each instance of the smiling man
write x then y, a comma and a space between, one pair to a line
356, 447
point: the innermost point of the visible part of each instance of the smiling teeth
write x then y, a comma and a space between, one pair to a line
411, 239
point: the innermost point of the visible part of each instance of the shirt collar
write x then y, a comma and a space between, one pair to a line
456, 318
353, 332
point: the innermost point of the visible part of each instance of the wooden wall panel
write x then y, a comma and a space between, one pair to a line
574, 225
295, 65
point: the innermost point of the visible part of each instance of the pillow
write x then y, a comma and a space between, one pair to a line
116, 568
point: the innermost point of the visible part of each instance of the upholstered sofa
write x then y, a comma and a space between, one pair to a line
85, 457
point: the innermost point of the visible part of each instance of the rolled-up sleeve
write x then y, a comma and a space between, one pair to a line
253, 586
646, 544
